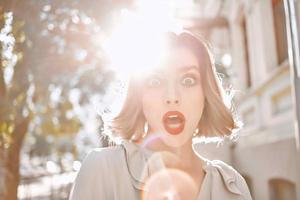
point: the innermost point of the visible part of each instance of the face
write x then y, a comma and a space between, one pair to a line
173, 99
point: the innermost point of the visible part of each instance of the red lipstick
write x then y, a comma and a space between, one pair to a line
174, 122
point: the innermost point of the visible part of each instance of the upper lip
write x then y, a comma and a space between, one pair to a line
170, 113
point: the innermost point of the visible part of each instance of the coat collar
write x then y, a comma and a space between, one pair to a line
142, 163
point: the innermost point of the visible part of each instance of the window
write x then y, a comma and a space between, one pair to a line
246, 53
281, 189
280, 30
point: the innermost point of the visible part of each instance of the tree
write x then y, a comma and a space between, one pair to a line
45, 49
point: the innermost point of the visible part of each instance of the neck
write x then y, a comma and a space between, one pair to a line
182, 157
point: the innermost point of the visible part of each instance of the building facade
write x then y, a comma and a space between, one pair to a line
250, 44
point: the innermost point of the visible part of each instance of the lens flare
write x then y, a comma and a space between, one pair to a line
170, 184
151, 139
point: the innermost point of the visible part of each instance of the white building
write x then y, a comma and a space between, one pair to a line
249, 36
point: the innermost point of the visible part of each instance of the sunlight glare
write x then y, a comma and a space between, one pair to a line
136, 44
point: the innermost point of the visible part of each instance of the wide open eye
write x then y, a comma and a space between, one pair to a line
188, 81
154, 82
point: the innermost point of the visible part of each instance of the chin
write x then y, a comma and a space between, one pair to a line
176, 141
170, 140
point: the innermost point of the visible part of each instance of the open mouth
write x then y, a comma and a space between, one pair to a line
173, 122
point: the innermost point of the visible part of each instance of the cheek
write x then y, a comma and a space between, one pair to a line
149, 101
198, 101
151, 106
195, 105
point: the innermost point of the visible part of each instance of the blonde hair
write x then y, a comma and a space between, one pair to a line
217, 118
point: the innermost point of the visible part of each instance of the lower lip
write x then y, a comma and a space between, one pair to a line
174, 129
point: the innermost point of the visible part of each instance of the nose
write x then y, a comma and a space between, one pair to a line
172, 102
172, 95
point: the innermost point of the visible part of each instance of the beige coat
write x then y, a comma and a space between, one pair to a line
118, 173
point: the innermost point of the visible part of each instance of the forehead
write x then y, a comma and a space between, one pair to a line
178, 60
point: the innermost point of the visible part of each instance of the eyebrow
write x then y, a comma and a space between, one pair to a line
188, 68
180, 70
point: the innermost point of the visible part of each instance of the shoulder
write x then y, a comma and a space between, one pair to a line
233, 180
101, 159
99, 164
228, 170
99, 155
98, 159
224, 167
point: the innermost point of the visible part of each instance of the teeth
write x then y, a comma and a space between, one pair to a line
172, 116
173, 125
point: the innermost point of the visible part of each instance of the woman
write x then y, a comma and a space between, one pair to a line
164, 110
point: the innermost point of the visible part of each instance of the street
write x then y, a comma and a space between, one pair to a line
55, 186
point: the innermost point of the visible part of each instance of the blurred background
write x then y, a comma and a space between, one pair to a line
55, 86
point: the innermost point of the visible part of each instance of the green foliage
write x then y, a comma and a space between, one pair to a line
47, 51
52, 46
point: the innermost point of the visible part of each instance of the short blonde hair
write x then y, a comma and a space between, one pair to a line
217, 118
